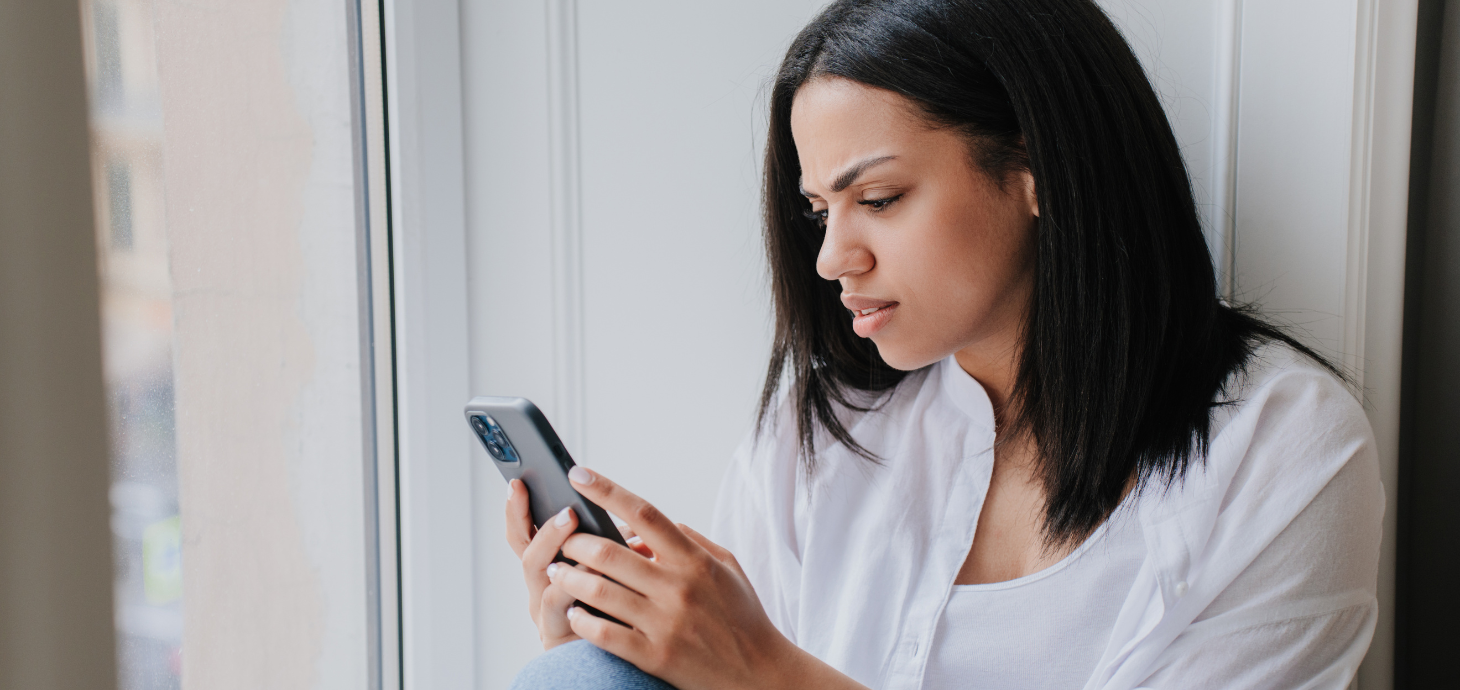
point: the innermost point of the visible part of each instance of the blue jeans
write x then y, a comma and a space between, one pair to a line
578, 665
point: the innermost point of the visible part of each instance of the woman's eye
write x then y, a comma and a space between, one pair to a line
819, 217
879, 204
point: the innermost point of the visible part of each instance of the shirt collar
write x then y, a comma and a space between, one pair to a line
966, 393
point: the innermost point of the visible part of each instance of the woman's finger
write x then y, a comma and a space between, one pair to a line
545, 545
624, 642
552, 616
641, 548
613, 560
519, 517
720, 553
634, 542
715, 549
647, 522
539, 553
599, 592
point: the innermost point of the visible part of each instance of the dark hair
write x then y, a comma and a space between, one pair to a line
1127, 345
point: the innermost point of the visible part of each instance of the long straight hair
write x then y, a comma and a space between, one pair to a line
1127, 345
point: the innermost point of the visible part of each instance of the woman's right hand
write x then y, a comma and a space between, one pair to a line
536, 548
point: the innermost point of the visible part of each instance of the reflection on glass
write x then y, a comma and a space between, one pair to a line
126, 126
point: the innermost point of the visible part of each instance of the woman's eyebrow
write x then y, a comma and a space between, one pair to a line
851, 174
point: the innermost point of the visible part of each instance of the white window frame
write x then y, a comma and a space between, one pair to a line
427, 241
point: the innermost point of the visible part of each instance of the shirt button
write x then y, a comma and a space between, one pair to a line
1180, 588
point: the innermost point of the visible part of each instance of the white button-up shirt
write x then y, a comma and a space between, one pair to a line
1261, 563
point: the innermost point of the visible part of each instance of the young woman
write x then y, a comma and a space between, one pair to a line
1010, 436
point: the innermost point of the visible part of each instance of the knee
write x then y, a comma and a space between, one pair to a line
579, 665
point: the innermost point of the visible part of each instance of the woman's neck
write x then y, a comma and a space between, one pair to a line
995, 368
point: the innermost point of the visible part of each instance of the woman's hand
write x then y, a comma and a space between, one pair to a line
693, 618
547, 604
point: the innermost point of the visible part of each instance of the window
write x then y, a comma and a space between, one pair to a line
285, 345
232, 234
119, 203
138, 337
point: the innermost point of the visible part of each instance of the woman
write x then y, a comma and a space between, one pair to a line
1020, 440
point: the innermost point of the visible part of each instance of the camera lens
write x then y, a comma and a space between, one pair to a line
505, 445
494, 438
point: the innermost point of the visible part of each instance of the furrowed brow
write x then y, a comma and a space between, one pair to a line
851, 174
848, 176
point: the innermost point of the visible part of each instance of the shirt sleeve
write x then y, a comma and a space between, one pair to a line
754, 518
1302, 613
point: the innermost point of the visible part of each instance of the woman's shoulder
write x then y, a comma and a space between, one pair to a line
1287, 419
1281, 385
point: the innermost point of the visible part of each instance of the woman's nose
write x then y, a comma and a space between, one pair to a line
842, 253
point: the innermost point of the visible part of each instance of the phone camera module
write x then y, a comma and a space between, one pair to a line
495, 440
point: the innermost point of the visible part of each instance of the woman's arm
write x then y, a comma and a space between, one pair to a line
1289, 573
1303, 613
693, 617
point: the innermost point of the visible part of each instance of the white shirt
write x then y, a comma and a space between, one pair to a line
856, 564
1000, 635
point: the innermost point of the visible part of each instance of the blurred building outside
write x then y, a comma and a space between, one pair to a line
137, 321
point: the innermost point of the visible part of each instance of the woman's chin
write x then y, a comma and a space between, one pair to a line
905, 358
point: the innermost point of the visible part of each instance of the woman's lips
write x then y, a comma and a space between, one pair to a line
866, 322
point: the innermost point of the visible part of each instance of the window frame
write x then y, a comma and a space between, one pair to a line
425, 476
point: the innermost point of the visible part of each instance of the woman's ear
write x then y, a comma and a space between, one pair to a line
1031, 197
1026, 181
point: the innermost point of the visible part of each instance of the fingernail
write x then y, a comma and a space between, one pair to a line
572, 611
552, 568
579, 475
635, 540
511, 488
563, 517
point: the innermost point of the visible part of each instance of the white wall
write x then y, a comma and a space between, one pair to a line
675, 320
1185, 47
613, 255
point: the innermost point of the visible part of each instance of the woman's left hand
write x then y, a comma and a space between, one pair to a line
695, 619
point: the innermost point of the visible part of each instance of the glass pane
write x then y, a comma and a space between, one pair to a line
136, 303
229, 230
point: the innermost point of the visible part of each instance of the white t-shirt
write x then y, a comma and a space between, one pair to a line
1043, 631
1259, 571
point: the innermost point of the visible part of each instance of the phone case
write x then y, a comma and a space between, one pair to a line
542, 463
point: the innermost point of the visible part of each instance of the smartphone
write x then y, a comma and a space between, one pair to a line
524, 446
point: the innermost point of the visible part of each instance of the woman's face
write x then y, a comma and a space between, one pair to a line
914, 230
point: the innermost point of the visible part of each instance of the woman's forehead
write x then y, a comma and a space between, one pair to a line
834, 105
842, 128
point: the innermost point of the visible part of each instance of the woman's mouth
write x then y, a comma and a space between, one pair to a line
866, 322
